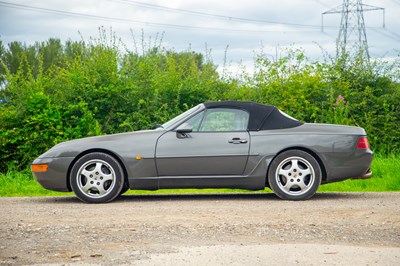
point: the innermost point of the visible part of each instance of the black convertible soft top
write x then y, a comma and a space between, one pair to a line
262, 117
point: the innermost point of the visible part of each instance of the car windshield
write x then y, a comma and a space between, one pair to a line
180, 117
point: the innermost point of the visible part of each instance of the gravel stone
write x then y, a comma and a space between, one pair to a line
224, 229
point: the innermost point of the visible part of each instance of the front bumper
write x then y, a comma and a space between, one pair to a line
56, 176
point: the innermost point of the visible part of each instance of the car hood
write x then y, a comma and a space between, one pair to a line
118, 143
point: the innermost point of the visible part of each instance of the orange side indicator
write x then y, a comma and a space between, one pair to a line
39, 168
138, 158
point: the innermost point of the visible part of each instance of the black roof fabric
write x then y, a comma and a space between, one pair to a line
262, 117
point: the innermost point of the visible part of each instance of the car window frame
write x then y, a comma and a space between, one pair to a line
175, 122
206, 110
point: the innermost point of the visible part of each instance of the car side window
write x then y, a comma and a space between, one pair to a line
224, 119
195, 121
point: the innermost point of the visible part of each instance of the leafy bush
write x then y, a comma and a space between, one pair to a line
51, 92
324, 92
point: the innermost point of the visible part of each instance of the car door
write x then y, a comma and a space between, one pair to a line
218, 145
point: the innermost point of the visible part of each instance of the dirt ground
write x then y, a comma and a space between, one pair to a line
239, 229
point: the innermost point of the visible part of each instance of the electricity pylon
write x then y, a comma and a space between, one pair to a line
352, 39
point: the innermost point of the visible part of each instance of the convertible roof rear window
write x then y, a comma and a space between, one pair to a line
262, 117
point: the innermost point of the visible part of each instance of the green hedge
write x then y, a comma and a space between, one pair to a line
52, 92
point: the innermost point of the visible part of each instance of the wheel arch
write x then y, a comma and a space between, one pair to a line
108, 152
309, 151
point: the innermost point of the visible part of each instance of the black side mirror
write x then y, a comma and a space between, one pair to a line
182, 130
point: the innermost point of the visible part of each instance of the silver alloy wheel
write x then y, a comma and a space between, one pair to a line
295, 176
96, 178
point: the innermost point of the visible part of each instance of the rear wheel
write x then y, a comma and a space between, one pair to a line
294, 175
97, 178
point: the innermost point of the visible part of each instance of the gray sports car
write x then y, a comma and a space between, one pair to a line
223, 144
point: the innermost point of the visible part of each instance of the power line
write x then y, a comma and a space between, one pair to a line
382, 33
393, 33
210, 15
123, 20
176, 26
387, 33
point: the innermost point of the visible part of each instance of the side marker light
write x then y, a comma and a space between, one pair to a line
39, 168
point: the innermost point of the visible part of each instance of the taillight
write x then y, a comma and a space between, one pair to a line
363, 143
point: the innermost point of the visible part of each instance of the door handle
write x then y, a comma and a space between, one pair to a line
237, 141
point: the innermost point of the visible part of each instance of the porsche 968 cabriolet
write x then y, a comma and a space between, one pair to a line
226, 144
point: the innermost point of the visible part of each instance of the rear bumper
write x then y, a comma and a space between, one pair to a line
349, 166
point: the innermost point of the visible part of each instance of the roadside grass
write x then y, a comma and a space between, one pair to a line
386, 177
22, 184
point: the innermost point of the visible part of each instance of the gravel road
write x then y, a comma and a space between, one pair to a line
240, 229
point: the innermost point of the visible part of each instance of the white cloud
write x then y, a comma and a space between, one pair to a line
22, 24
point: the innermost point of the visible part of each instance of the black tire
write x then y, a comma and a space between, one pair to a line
97, 178
294, 175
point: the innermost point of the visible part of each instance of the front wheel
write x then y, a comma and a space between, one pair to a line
97, 178
294, 175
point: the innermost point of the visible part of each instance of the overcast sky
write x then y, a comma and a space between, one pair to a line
246, 26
